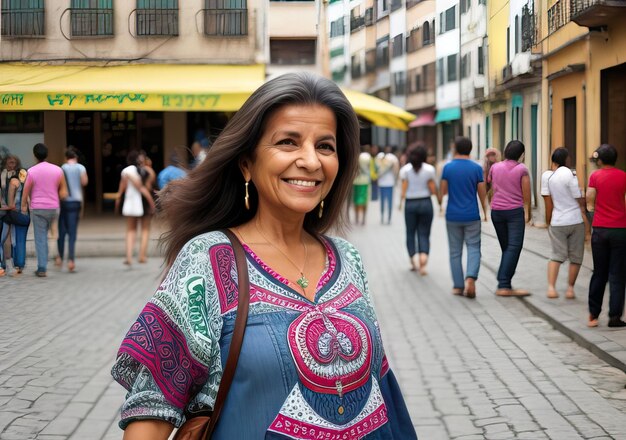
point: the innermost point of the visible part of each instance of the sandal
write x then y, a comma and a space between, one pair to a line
457, 292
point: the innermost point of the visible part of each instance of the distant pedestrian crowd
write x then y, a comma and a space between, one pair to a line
501, 189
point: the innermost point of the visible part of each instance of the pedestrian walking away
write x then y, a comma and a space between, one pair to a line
566, 219
132, 189
71, 208
375, 189
361, 186
491, 157
510, 210
605, 199
45, 187
14, 223
388, 168
418, 185
148, 179
461, 180
312, 364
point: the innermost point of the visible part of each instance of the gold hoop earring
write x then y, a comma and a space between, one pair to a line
321, 211
247, 198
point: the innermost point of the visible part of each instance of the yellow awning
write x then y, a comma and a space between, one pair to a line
379, 112
155, 87
163, 87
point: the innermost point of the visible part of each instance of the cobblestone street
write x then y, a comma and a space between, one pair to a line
469, 369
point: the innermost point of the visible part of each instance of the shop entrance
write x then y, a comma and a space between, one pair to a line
105, 139
613, 111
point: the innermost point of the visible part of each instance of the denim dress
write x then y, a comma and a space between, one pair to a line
307, 369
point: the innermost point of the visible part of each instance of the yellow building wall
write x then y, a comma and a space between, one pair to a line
497, 22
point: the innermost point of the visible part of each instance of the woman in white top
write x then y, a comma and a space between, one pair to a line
132, 208
418, 184
567, 221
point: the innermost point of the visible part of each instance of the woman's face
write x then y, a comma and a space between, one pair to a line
11, 164
295, 161
491, 157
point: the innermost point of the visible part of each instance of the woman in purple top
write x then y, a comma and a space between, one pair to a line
510, 208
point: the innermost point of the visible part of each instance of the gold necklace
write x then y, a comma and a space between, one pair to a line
303, 282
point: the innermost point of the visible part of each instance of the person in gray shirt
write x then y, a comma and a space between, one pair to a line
76, 177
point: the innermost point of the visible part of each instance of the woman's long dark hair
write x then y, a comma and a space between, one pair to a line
417, 156
212, 195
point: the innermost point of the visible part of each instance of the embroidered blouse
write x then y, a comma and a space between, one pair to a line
307, 369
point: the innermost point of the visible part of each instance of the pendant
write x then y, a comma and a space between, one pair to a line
302, 281
340, 410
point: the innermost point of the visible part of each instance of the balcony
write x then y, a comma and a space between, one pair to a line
530, 28
356, 23
157, 21
225, 18
596, 13
558, 15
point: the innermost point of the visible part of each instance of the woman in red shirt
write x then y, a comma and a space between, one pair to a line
606, 199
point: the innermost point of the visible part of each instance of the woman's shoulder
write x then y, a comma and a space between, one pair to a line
344, 248
205, 241
428, 167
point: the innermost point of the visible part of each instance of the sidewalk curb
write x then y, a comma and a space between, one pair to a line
576, 336
595, 341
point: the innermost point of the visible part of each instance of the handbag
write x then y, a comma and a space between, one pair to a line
201, 427
14, 217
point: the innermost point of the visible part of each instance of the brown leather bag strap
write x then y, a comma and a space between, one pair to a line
238, 332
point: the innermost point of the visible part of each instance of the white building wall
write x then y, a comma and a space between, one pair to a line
473, 34
397, 25
447, 44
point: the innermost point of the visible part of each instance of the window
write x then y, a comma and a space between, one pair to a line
452, 62
21, 122
399, 83
508, 45
441, 24
440, 72
416, 86
292, 52
516, 34
382, 8
450, 19
481, 60
337, 28
397, 48
428, 76
482, 2
355, 65
91, 18
396, 4
226, 17
464, 5
412, 41
382, 52
157, 17
426, 34
465, 66
22, 18
370, 61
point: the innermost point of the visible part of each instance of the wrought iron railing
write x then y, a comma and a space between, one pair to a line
356, 23
157, 17
226, 17
22, 18
530, 28
91, 22
558, 15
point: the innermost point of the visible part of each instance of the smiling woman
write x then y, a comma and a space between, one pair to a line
312, 363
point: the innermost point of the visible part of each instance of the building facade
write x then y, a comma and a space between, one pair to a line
243, 39
583, 43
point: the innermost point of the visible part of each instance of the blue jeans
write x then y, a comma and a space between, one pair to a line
374, 190
608, 246
68, 225
42, 221
386, 200
468, 233
510, 226
418, 217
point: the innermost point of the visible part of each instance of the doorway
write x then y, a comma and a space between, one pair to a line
613, 111
569, 129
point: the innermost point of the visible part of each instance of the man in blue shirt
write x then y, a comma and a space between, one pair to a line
171, 172
462, 179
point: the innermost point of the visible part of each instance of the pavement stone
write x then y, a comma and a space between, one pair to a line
469, 369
